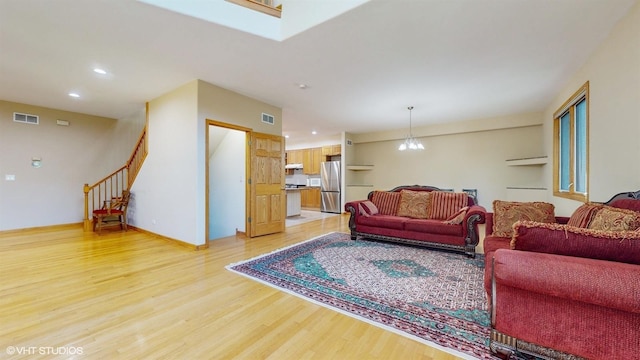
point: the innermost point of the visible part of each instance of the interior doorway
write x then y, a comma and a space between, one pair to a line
226, 180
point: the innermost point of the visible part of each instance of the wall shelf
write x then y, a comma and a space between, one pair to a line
359, 167
531, 161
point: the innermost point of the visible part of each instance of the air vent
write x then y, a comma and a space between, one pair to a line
266, 118
26, 118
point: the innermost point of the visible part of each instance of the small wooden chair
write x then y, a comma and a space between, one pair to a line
113, 212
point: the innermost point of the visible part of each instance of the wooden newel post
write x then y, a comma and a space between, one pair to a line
87, 222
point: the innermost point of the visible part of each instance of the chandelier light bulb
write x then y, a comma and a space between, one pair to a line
410, 142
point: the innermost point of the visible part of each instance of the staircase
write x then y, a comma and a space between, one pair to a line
112, 185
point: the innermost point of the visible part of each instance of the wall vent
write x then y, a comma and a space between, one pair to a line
266, 118
26, 118
349, 142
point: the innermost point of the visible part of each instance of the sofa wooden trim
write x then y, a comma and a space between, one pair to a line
474, 217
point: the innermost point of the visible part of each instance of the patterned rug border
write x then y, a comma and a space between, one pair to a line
301, 296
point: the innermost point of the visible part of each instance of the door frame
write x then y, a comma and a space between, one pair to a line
247, 170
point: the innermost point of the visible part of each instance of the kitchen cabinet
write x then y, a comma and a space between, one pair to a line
331, 150
294, 156
311, 159
310, 198
315, 198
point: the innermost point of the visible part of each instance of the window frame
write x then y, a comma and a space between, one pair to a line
569, 107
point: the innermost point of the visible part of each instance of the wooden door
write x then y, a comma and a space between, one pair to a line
268, 200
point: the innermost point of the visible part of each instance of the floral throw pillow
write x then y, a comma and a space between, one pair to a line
614, 219
413, 204
506, 213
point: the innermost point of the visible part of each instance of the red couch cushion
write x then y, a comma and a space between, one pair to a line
580, 306
591, 281
383, 221
432, 227
105, 212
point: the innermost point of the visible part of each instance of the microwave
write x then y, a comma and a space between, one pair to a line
313, 182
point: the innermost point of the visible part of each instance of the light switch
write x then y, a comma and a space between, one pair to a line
8, 177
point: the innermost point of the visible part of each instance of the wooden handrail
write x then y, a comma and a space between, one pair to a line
115, 183
263, 6
137, 157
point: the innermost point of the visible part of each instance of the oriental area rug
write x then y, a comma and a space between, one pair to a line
431, 296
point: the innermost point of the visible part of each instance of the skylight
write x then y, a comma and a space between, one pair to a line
297, 16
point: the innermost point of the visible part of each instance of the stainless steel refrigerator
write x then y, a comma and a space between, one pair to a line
330, 186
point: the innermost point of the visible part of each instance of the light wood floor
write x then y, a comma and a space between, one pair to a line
130, 295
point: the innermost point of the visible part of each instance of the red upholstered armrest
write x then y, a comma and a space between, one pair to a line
475, 215
605, 283
352, 206
622, 246
476, 210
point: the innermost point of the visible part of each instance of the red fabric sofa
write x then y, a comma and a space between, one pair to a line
560, 291
433, 231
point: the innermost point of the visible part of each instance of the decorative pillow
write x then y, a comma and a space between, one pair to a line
622, 246
458, 217
582, 216
444, 204
386, 201
506, 213
367, 208
413, 204
614, 219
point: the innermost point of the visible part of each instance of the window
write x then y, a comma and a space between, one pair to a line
570, 147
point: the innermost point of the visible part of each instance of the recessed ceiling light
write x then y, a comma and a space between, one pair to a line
74, 95
314, 132
303, 86
100, 71
286, 136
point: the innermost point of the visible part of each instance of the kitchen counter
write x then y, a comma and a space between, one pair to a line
293, 201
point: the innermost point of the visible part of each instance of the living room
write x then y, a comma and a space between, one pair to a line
482, 145
469, 153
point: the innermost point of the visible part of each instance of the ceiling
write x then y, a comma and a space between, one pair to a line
453, 60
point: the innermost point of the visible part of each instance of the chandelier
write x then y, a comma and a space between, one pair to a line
410, 142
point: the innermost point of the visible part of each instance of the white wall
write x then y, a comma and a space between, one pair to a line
87, 150
169, 196
227, 182
473, 160
472, 154
613, 72
165, 194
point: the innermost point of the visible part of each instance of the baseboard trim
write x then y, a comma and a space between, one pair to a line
172, 240
41, 228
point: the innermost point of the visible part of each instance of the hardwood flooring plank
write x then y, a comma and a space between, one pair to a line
132, 295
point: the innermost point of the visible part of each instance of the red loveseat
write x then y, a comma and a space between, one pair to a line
443, 219
563, 291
